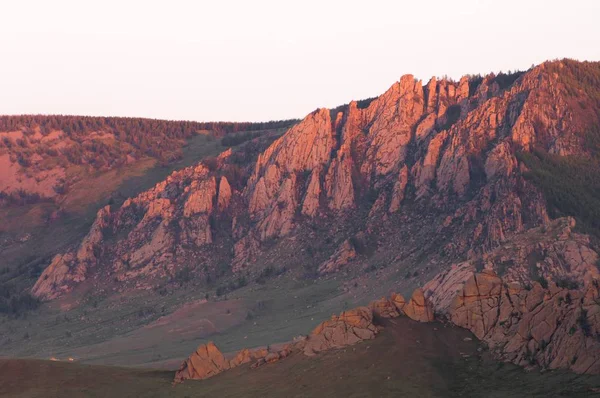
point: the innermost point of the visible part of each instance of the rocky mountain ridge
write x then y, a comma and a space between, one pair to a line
443, 149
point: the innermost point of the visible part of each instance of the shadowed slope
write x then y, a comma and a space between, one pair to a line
408, 359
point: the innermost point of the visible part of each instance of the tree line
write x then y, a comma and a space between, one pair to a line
161, 139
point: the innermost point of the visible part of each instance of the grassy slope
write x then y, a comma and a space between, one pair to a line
114, 331
408, 359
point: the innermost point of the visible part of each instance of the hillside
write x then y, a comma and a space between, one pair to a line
425, 184
58, 171
408, 359
439, 163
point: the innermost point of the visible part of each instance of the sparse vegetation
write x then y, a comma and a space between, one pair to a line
571, 185
452, 116
567, 283
236, 139
584, 323
221, 290
543, 281
267, 273
14, 302
371, 268
474, 83
505, 80
183, 275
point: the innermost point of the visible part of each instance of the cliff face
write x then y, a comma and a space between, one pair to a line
551, 327
142, 241
445, 151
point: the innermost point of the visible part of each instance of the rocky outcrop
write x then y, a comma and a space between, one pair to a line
339, 184
549, 326
342, 256
272, 355
279, 218
349, 328
387, 308
393, 116
443, 151
311, 202
55, 279
552, 252
205, 362
552, 327
419, 308
71, 268
349, 154
224, 194
399, 190
147, 226
272, 187
242, 357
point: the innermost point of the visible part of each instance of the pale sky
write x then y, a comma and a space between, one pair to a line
264, 59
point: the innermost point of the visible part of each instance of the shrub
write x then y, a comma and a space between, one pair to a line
16, 303
211, 162
505, 80
543, 282
584, 323
567, 283
452, 116
183, 276
267, 273
221, 290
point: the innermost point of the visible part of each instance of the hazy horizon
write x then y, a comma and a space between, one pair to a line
265, 60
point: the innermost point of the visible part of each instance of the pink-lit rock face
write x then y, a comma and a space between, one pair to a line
551, 327
438, 149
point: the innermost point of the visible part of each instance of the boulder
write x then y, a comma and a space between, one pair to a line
398, 301
419, 308
385, 308
243, 356
205, 362
349, 328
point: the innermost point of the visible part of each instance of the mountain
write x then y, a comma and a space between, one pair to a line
426, 174
436, 185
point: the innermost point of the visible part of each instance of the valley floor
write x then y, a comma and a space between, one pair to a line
408, 359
